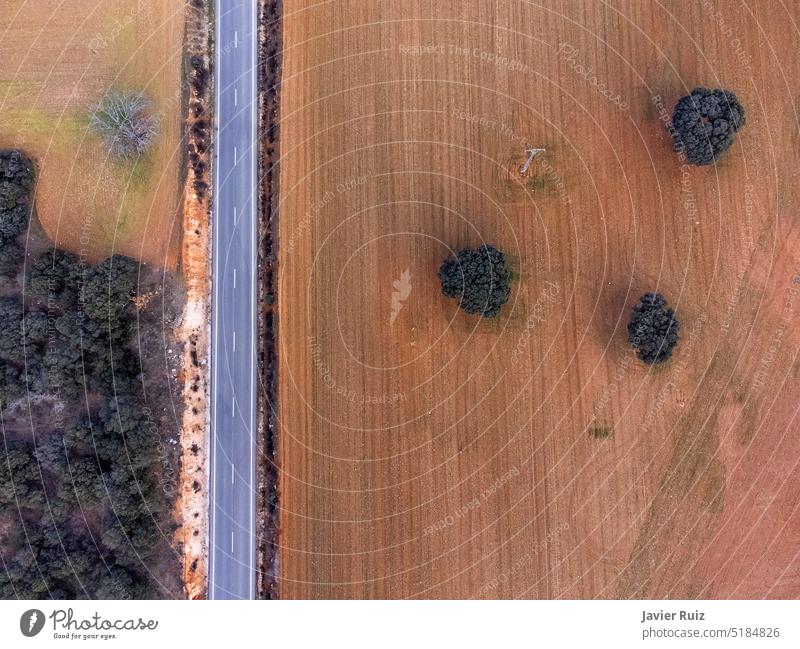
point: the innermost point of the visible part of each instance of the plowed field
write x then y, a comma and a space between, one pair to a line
424, 453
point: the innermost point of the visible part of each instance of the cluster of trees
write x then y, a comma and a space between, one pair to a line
82, 513
479, 280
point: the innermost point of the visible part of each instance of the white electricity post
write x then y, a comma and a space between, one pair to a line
532, 153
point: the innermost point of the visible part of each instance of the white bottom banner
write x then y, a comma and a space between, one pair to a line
399, 624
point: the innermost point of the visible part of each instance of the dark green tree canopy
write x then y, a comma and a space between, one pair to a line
16, 185
704, 124
13, 222
11, 256
12, 383
21, 334
653, 329
109, 287
479, 279
55, 277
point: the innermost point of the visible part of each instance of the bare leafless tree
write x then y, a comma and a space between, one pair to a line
126, 122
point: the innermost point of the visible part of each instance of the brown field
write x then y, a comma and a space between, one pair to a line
438, 456
57, 60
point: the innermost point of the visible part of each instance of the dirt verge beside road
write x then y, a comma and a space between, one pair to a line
192, 506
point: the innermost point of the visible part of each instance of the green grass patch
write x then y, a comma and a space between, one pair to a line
600, 432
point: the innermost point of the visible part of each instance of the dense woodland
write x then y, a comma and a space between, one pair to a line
84, 512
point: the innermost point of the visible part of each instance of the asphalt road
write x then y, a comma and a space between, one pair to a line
232, 568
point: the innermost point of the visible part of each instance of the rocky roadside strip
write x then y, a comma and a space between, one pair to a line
191, 507
270, 44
